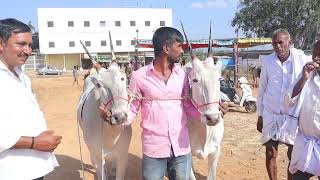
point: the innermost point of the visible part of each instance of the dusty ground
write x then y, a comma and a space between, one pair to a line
242, 156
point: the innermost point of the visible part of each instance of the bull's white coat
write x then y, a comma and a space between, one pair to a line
205, 85
100, 135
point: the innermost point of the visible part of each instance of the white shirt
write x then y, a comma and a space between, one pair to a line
306, 149
276, 81
20, 115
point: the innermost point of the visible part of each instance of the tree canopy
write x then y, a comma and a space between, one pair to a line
35, 37
261, 17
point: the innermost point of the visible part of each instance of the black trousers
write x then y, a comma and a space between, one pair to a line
302, 176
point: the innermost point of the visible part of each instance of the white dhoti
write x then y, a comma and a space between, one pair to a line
277, 127
305, 155
306, 149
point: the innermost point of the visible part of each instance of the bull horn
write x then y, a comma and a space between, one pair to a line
113, 57
188, 43
210, 43
93, 60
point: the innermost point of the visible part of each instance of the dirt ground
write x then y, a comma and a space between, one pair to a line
242, 155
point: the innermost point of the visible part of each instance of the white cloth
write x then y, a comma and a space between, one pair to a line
20, 115
276, 82
306, 149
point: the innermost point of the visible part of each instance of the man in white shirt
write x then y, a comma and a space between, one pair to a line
305, 161
279, 71
26, 145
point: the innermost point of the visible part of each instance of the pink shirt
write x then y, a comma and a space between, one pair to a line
164, 123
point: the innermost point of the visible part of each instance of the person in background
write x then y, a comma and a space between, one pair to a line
75, 73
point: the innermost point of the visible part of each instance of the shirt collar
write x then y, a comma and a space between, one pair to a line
289, 59
2, 66
175, 69
17, 69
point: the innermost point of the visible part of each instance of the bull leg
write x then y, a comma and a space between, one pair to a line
100, 171
121, 167
212, 164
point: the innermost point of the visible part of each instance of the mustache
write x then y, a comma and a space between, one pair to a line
24, 55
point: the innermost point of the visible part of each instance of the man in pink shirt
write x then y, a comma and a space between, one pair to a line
165, 137
164, 111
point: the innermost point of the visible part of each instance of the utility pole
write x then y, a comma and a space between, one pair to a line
236, 59
136, 53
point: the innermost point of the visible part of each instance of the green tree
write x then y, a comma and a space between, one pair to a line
35, 37
261, 17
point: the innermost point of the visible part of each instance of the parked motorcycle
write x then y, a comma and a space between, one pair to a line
229, 94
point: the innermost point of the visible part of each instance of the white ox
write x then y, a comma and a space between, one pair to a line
108, 144
205, 85
205, 140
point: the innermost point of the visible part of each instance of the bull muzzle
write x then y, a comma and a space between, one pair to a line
211, 119
118, 118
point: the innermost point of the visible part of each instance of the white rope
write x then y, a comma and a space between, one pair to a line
139, 97
81, 160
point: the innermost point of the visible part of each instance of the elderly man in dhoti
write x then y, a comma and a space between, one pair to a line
305, 161
279, 70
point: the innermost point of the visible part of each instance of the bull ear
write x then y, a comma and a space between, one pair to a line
101, 89
208, 62
219, 63
188, 67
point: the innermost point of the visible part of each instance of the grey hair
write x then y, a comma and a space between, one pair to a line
9, 26
281, 30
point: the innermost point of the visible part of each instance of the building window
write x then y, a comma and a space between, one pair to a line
51, 45
87, 43
71, 43
162, 23
70, 24
118, 42
103, 24
133, 42
147, 23
50, 23
132, 23
103, 43
117, 23
86, 23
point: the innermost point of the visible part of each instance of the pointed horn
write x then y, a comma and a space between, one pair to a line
210, 42
88, 53
113, 56
187, 41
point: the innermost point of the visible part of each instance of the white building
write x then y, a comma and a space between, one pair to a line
61, 29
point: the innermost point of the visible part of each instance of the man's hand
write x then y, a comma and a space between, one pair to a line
46, 141
223, 107
260, 124
308, 68
105, 114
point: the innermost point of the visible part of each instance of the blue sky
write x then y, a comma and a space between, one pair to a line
195, 14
